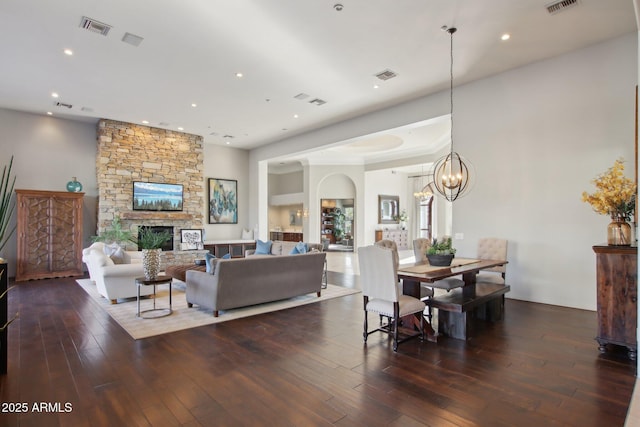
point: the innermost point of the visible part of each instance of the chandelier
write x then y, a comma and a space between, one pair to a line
451, 173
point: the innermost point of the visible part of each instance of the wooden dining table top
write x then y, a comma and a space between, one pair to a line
424, 272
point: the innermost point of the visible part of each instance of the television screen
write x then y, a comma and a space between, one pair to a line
152, 196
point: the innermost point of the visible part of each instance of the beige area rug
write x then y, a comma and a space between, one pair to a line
184, 317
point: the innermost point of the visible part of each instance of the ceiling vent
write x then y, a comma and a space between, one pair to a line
228, 137
87, 109
559, 6
94, 26
386, 75
317, 101
301, 96
62, 104
132, 39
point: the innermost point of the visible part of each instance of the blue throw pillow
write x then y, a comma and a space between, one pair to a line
209, 262
226, 256
300, 248
263, 248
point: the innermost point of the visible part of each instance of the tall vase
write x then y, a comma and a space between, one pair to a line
151, 263
618, 232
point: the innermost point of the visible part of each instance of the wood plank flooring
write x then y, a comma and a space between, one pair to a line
305, 366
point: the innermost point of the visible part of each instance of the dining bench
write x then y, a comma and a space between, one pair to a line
458, 308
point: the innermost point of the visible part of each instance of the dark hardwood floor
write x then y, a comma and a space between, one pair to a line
305, 366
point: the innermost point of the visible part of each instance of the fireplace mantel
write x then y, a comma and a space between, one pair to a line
156, 215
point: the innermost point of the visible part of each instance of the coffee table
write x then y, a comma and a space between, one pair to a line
155, 312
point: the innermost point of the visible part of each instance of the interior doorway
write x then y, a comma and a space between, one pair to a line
337, 224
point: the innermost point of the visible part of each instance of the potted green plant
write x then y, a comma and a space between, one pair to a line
151, 243
7, 206
115, 234
441, 253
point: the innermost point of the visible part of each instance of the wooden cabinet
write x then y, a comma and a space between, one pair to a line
49, 232
286, 236
236, 248
401, 237
616, 271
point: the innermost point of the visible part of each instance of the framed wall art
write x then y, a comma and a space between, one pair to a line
223, 201
191, 239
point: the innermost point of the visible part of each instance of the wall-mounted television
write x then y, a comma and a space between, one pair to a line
154, 196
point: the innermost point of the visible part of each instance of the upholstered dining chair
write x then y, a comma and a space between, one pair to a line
492, 248
420, 247
390, 244
378, 278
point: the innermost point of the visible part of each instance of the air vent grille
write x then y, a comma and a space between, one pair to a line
301, 96
94, 26
62, 104
318, 101
386, 75
559, 6
228, 137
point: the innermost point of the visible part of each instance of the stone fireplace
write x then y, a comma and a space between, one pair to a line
128, 152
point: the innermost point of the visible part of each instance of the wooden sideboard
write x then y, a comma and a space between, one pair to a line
49, 233
236, 248
616, 272
401, 237
286, 236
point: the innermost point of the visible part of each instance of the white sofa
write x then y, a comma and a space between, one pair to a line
114, 281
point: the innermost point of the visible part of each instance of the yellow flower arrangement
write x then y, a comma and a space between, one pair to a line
615, 193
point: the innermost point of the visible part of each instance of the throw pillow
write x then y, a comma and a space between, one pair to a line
263, 248
247, 234
226, 256
210, 263
115, 252
300, 248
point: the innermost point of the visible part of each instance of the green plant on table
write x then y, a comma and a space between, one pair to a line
441, 248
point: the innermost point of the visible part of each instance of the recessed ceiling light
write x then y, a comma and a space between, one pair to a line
239, 75
68, 52
180, 128
145, 122
505, 37
295, 116
54, 94
49, 113
228, 142
376, 86
194, 105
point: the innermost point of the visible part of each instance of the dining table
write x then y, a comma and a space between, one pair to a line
465, 301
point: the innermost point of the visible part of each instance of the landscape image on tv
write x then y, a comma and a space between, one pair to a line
151, 196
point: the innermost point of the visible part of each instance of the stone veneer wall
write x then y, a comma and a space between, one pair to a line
128, 152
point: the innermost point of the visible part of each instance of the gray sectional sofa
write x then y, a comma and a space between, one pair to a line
240, 282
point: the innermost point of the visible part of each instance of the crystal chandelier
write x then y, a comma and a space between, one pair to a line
451, 173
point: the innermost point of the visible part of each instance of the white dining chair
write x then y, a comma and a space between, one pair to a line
378, 278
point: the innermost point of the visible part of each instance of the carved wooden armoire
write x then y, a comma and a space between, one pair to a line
49, 232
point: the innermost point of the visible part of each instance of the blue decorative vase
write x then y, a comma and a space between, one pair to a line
74, 185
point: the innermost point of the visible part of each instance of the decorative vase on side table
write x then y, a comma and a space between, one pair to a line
618, 231
151, 263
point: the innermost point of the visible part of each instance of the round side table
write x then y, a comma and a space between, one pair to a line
154, 312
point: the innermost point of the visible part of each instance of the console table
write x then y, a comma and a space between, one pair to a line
236, 248
616, 275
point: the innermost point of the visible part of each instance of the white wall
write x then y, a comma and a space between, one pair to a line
537, 136
228, 163
48, 152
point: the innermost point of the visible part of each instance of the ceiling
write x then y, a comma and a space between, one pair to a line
191, 52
